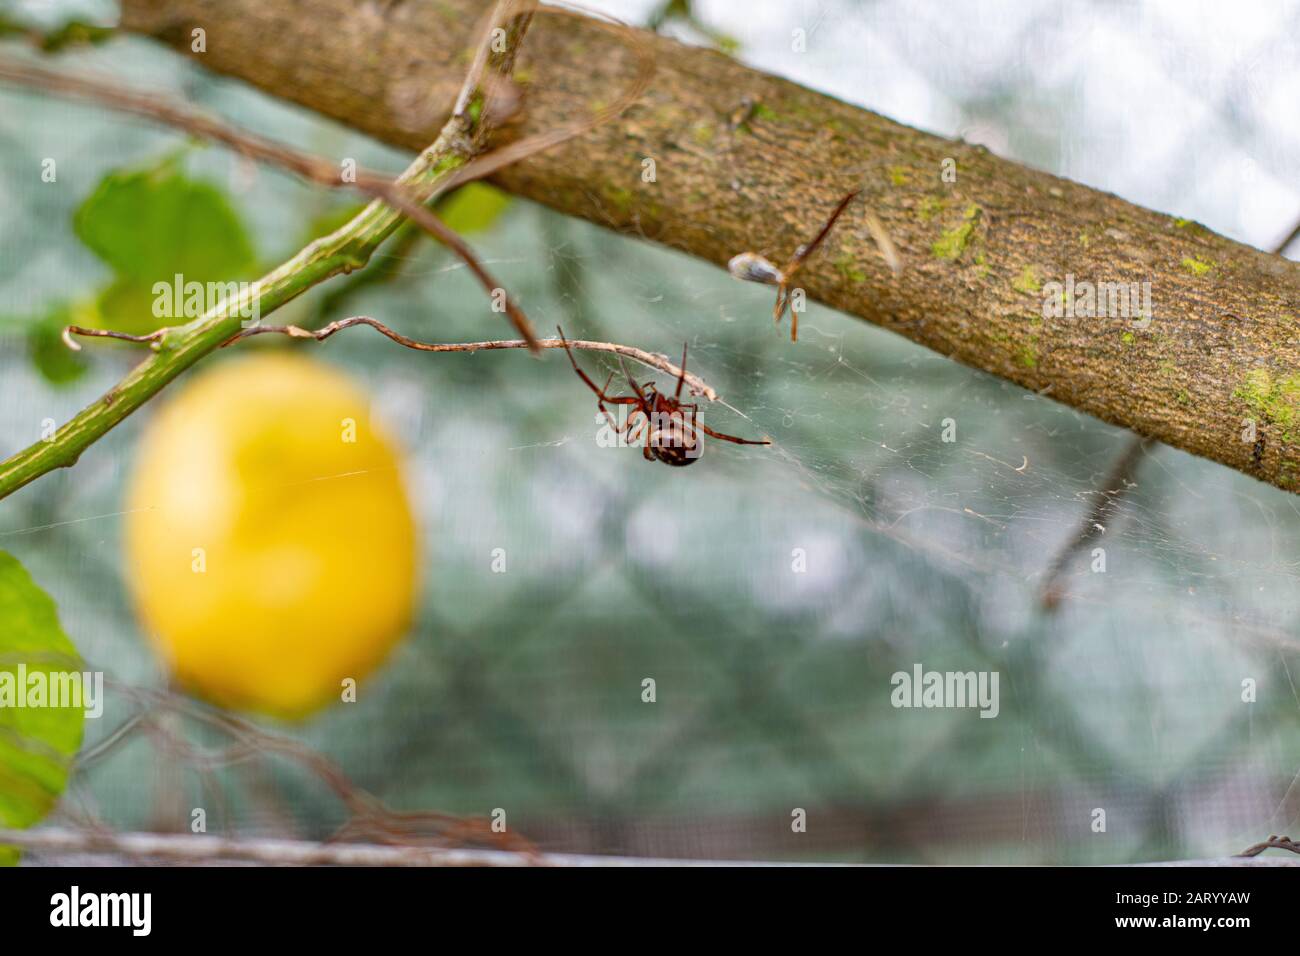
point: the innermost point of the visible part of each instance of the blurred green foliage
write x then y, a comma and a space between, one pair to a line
37, 743
150, 225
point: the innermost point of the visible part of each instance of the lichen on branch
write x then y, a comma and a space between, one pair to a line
979, 237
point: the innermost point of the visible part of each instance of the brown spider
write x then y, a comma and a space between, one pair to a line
673, 428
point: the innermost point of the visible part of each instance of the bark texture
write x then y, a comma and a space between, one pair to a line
749, 162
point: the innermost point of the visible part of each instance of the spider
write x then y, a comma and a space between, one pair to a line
673, 428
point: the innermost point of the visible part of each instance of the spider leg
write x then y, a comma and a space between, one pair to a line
690, 413
600, 403
692, 425
613, 422
631, 381
731, 438
681, 377
778, 310
665, 408
636, 418
600, 393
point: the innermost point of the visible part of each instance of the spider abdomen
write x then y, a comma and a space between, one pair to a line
675, 444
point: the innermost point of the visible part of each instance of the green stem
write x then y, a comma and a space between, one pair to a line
345, 250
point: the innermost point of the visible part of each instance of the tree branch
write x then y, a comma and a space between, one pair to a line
198, 849
318, 170
477, 88
194, 849
976, 252
1122, 476
175, 349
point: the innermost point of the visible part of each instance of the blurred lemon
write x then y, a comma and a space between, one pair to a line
270, 543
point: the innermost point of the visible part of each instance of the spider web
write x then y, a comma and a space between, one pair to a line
770, 593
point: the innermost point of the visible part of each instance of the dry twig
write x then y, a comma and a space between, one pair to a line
653, 360
1274, 842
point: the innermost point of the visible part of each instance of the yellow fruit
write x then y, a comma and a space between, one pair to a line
270, 545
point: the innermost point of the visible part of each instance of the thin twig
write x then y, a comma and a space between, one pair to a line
485, 165
368, 814
1291, 237
1274, 842
1112, 491
148, 338
653, 360
198, 849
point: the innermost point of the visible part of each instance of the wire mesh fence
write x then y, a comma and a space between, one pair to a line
768, 599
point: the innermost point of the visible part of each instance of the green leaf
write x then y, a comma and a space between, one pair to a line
474, 207
37, 744
57, 363
75, 33
53, 40
126, 304
153, 224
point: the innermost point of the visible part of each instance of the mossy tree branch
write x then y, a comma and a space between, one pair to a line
463, 136
746, 161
